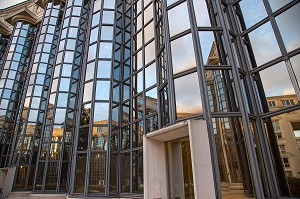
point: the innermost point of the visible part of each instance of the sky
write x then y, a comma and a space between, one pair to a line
8, 3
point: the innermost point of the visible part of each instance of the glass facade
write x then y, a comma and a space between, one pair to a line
76, 103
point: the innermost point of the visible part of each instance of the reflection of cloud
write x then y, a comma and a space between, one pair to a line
178, 19
187, 93
276, 80
183, 56
201, 13
289, 27
253, 11
295, 61
276, 4
264, 45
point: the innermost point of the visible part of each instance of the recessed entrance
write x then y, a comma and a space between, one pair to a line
181, 185
178, 163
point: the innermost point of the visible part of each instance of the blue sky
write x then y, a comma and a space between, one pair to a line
8, 3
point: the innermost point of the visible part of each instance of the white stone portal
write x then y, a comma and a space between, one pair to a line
155, 160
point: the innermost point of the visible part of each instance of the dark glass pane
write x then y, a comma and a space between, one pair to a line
97, 173
125, 172
80, 173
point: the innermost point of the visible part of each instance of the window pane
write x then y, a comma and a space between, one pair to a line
289, 27
253, 11
188, 99
279, 84
178, 19
262, 40
183, 56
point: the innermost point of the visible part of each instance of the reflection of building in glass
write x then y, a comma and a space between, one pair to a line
84, 82
285, 128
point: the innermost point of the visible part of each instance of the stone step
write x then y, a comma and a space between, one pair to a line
19, 195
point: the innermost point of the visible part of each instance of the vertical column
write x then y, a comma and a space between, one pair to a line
4, 40
34, 98
11, 83
92, 130
59, 125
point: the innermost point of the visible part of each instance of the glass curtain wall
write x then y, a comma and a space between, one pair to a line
270, 84
91, 141
34, 98
55, 154
12, 83
4, 40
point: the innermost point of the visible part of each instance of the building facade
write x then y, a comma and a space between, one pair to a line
86, 85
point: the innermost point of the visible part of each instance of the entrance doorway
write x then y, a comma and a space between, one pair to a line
181, 185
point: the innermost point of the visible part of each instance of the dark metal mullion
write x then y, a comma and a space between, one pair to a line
94, 80
270, 175
80, 102
258, 189
204, 95
69, 93
169, 65
108, 152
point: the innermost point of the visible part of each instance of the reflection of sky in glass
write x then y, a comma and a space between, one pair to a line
183, 56
253, 11
262, 40
276, 80
100, 112
297, 133
276, 4
295, 61
187, 94
201, 13
206, 41
289, 26
178, 19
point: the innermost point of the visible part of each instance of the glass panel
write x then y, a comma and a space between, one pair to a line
52, 176
137, 172
125, 172
279, 84
97, 173
262, 40
99, 139
101, 113
253, 11
188, 99
283, 133
88, 89
295, 61
276, 4
183, 57
104, 69
178, 19
232, 157
207, 44
221, 92
105, 50
80, 173
289, 27
102, 90
201, 12
150, 75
